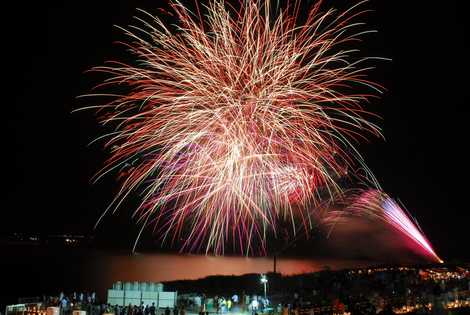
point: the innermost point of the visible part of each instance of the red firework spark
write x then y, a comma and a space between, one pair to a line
231, 122
378, 205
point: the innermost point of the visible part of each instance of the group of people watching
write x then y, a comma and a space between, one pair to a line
88, 302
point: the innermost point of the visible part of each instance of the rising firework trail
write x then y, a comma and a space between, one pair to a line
236, 118
377, 204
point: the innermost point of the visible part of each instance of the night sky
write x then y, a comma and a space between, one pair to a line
49, 46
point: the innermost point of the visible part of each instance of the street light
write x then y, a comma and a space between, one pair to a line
264, 281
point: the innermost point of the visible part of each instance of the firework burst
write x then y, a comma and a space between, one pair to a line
235, 121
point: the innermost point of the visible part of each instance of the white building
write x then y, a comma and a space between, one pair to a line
136, 293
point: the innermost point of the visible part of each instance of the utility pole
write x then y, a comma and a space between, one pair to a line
275, 261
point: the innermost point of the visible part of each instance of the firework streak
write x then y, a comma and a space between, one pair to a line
228, 124
378, 204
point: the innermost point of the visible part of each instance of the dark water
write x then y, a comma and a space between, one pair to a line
33, 271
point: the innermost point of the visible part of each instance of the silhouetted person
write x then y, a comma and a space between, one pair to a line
152, 309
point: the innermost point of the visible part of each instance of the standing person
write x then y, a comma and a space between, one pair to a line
254, 306
285, 310
175, 311
222, 304
235, 299
167, 311
152, 309
246, 301
202, 310
63, 304
217, 304
229, 305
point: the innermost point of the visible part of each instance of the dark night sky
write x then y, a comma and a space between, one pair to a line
48, 164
